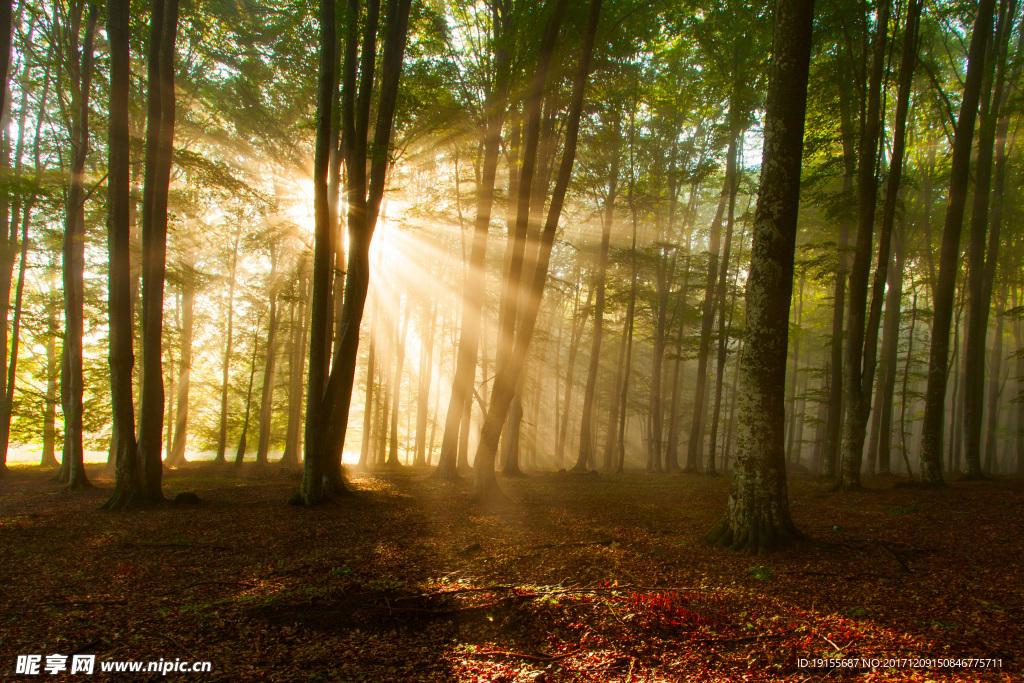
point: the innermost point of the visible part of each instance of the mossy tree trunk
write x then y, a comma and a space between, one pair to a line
757, 515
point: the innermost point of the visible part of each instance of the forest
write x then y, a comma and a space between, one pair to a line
494, 340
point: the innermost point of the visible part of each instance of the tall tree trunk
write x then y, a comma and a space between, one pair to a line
474, 290
330, 396
906, 377
129, 489
296, 367
935, 395
860, 341
574, 345
834, 426
485, 484
49, 458
794, 382
757, 515
880, 441
995, 370
426, 371
695, 447
269, 379
587, 456
720, 355
188, 299
159, 145
222, 438
397, 387
240, 451
73, 470
981, 267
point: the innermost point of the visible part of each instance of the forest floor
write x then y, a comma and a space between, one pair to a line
581, 578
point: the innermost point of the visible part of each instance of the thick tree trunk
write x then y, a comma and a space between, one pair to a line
159, 144
757, 515
935, 395
129, 489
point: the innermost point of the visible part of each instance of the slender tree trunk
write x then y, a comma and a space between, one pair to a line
73, 471
269, 380
49, 458
426, 372
833, 429
906, 377
695, 447
757, 515
240, 452
791, 431
188, 299
587, 456
222, 438
981, 267
330, 396
485, 483
995, 369
879, 444
860, 341
474, 290
935, 396
397, 387
574, 345
296, 363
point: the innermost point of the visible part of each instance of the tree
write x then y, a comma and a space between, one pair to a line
757, 515
935, 396
330, 394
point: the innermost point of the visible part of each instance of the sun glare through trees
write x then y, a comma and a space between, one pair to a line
500, 340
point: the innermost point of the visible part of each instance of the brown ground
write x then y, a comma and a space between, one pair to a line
378, 588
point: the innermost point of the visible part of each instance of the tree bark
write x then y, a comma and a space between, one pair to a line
222, 439
188, 299
73, 469
757, 515
860, 339
474, 291
159, 147
485, 484
981, 267
587, 455
935, 395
